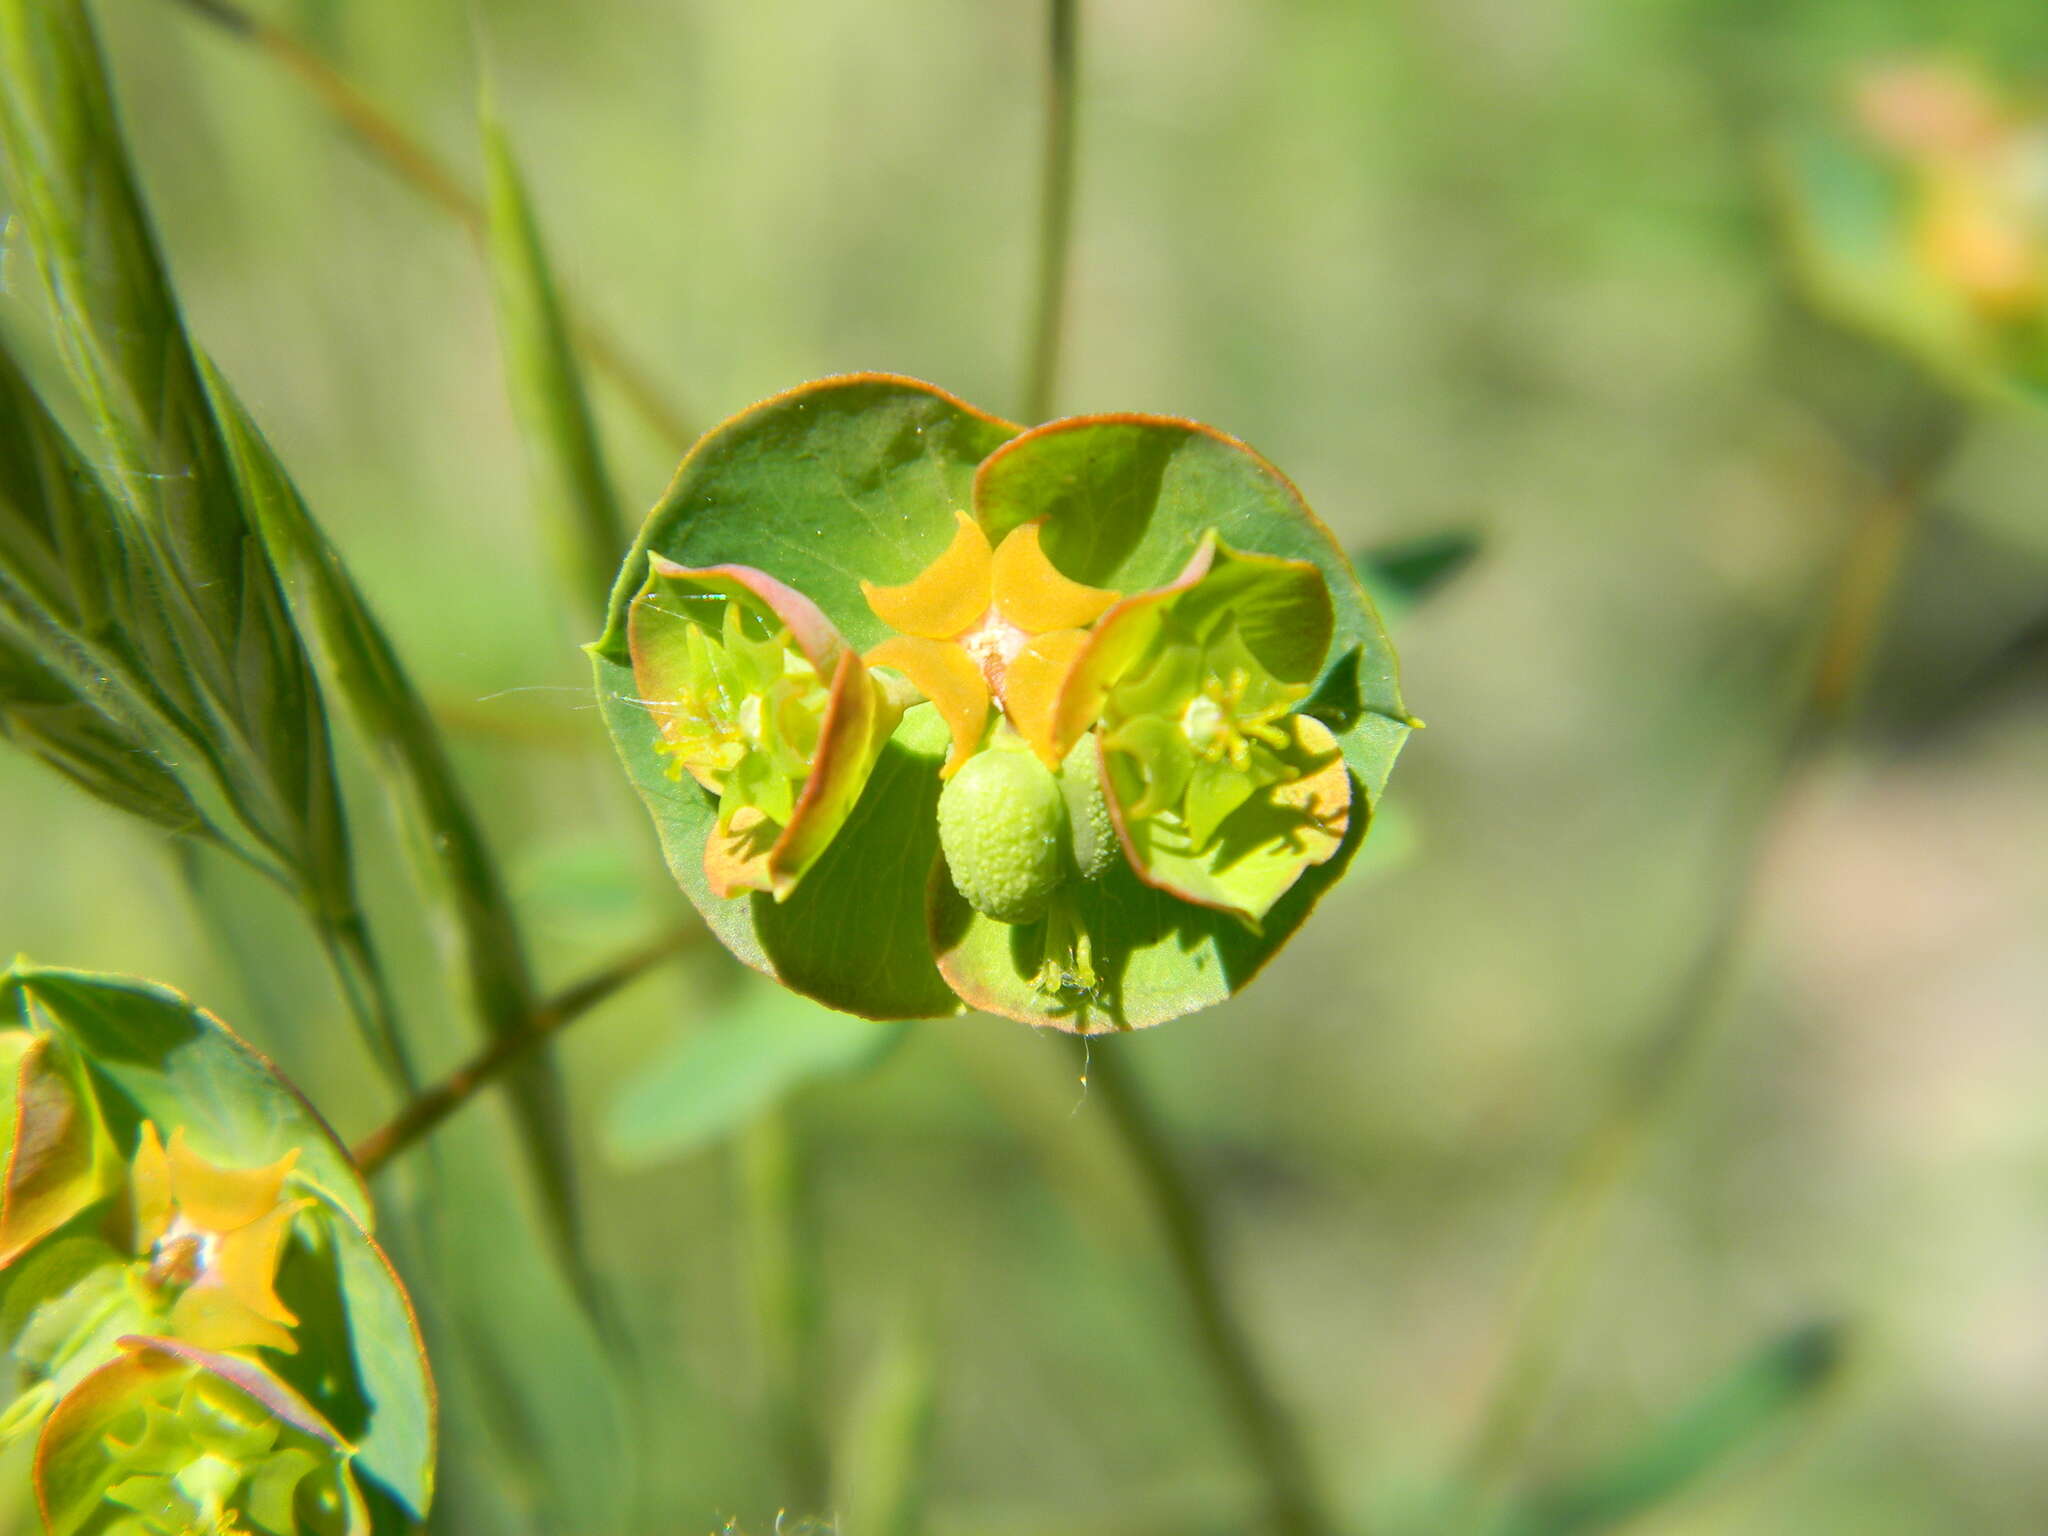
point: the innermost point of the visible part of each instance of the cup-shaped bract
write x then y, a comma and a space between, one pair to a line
1920, 217
167, 1439
1142, 609
758, 699
217, 1218
1221, 793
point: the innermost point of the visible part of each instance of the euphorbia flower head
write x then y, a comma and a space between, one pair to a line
1980, 174
1222, 793
981, 624
762, 703
1130, 706
211, 1238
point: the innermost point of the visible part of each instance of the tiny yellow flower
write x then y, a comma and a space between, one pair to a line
981, 625
212, 1237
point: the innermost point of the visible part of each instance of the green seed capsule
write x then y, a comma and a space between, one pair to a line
1003, 828
1094, 835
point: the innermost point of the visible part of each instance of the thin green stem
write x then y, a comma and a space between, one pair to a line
386, 141
1561, 1262
1055, 211
345, 942
1293, 1504
367, 990
786, 1282
431, 1106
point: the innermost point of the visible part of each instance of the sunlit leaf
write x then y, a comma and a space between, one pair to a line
360, 1358
58, 1157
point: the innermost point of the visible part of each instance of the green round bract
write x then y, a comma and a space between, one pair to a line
1003, 829
861, 480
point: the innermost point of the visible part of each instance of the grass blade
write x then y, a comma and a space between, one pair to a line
546, 385
67, 693
1756, 1399
884, 1464
196, 613
463, 879
1401, 574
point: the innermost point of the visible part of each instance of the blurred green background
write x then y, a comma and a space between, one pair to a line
1502, 264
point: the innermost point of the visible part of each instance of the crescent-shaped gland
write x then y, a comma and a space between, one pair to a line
947, 676
1033, 595
1322, 794
947, 596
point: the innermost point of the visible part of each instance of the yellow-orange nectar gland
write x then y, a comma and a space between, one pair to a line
984, 624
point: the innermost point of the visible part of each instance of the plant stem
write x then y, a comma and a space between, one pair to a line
381, 135
785, 1281
360, 972
1294, 1507
1561, 1258
430, 1107
1055, 212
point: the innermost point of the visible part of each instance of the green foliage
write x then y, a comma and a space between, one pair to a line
887, 1449
734, 1065
139, 613
235, 1268
1922, 223
156, 596
547, 383
1758, 1399
852, 492
1404, 572
461, 875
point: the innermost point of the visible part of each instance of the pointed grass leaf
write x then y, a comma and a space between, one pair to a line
199, 605
460, 873
885, 1457
196, 631
1404, 572
546, 383
72, 690
1760, 1397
